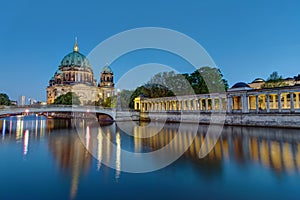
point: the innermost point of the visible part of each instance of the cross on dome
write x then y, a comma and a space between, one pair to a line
76, 48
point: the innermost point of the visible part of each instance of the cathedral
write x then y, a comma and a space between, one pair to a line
75, 74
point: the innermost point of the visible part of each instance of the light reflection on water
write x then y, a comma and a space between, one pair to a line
275, 150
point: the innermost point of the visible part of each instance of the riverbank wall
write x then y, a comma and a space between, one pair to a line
284, 120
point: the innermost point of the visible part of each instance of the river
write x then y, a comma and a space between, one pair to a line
77, 159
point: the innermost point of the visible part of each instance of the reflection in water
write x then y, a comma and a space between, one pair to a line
275, 149
71, 155
118, 155
26, 139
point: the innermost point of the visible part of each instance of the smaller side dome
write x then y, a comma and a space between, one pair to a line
240, 85
258, 80
106, 69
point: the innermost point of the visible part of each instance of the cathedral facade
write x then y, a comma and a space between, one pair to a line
75, 74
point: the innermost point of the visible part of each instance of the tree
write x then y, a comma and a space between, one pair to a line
202, 81
274, 80
125, 98
171, 83
274, 76
207, 80
4, 99
69, 98
110, 102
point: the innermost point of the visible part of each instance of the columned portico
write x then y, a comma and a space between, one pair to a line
259, 101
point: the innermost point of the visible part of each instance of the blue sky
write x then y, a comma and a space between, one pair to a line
246, 39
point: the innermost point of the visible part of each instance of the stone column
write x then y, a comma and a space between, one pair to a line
268, 102
229, 104
206, 103
200, 104
245, 108
279, 101
220, 104
212, 104
292, 102
188, 104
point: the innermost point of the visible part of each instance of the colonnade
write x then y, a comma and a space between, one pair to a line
285, 99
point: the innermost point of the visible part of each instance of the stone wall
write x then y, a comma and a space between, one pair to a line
242, 119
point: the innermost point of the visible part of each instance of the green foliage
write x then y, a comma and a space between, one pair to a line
274, 80
125, 96
150, 91
4, 99
202, 81
274, 76
207, 80
110, 102
170, 84
69, 98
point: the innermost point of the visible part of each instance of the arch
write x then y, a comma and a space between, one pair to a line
42, 109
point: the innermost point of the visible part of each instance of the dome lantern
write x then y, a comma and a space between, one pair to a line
76, 48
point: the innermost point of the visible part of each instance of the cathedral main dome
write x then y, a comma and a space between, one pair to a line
75, 59
75, 74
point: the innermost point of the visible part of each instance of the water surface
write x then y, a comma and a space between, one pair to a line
50, 159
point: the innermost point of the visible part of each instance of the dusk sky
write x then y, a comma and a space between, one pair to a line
246, 39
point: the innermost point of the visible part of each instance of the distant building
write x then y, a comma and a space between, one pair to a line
32, 101
22, 100
259, 82
75, 74
14, 103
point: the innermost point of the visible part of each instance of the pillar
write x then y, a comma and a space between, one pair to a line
220, 104
229, 104
292, 101
212, 104
206, 104
196, 104
268, 102
245, 108
279, 102
200, 104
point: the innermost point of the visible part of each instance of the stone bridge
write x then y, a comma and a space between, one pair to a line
15, 110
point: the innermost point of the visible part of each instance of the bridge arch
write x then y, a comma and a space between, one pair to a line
8, 111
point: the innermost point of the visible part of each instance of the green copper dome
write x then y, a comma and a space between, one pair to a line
58, 71
106, 69
75, 59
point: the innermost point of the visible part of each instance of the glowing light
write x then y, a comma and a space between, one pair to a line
100, 140
118, 155
26, 110
3, 129
87, 137
88, 111
26, 139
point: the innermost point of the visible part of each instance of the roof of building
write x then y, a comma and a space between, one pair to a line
240, 85
75, 58
107, 69
258, 80
58, 71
